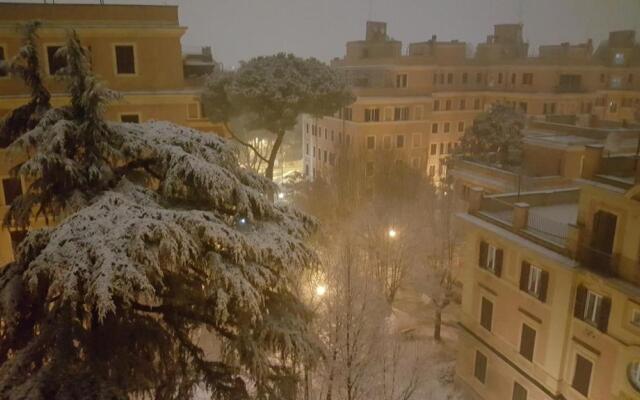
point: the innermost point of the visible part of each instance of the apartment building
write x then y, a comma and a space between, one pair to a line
417, 101
136, 50
554, 155
551, 289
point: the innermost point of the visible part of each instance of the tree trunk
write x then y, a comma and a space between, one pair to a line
274, 153
437, 324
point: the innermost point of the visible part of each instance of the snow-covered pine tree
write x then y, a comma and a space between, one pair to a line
26, 65
270, 93
162, 237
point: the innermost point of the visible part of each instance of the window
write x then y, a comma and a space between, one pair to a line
500, 78
332, 135
442, 79
630, 78
16, 238
513, 79
527, 78
435, 78
479, 77
476, 104
3, 64
463, 104
592, 308
369, 169
582, 375
633, 373
371, 142
480, 367
401, 114
194, 111
12, 189
434, 149
461, 126
415, 162
325, 156
534, 281
307, 149
436, 105
441, 148
400, 141
447, 127
432, 170
347, 113
490, 258
519, 392
613, 107
125, 60
527, 342
449, 147
549, 108
434, 128
523, 106
465, 77
55, 61
371, 115
627, 102
618, 59
448, 105
635, 317
449, 78
131, 118
603, 78
401, 80
486, 314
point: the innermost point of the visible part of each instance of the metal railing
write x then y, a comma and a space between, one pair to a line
497, 209
552, 230
601, 262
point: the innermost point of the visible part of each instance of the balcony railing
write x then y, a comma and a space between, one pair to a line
598, 261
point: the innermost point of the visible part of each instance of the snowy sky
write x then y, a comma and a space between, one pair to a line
241, 29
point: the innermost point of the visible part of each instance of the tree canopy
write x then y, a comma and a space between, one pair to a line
494, 135
271, 92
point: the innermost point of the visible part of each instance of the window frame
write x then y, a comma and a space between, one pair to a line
136, 113
371, 139
595, 311
521, 343
517, 384
484, 368
47, 64
404, 80
632, 321
535, 278
5, 60
579, 354
136, 69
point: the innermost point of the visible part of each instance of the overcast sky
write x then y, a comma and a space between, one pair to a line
241, 29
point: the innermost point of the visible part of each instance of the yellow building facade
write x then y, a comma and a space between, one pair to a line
551, 290
433, 90
135, 50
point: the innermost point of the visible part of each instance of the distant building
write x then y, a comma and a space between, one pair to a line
135, 49
417, 102
554, 155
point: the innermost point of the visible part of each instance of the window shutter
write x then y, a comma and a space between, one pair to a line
484, 249
524, 275
498, 262
544, 284
581, 298
603, 316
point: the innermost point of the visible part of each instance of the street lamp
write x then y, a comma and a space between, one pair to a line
321, 290
392, 233
280, 195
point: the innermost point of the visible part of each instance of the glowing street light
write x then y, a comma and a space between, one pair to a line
280, 195
392, 233
321, 290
